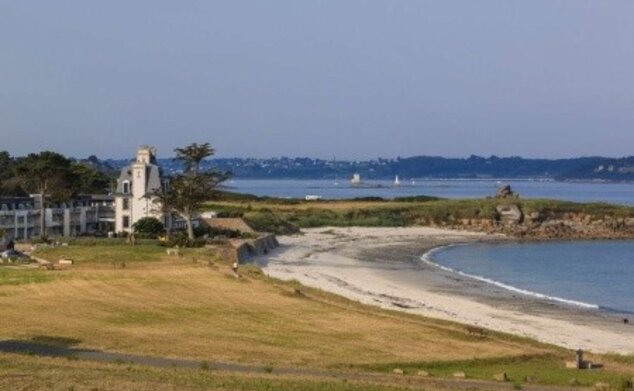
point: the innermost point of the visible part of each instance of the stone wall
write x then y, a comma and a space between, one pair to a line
246, 249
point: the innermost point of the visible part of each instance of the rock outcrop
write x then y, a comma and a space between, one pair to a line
505, 192
511, 220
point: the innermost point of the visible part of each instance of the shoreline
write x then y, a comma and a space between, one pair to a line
385, 267
428, 258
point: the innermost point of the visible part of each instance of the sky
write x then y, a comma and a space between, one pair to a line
349, 79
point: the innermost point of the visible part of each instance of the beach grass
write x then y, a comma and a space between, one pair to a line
285, 217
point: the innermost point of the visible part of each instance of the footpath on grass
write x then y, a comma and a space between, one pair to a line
52, 350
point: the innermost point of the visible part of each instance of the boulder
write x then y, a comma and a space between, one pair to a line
460, 375
501, 377
509, 214
505, 192
397, 371
422, 373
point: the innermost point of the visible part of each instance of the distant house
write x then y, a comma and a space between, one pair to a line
136, 185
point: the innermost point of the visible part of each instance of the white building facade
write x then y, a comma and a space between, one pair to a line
134, 199
83, 215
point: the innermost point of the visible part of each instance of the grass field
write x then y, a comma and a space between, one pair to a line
191, 307
287, 216
29, 373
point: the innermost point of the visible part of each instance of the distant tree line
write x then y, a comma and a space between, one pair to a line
583, 168
51, 177
56, 175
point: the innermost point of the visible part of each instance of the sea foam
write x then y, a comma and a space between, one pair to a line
427, 258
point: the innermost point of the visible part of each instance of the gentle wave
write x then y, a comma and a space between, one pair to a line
427, 258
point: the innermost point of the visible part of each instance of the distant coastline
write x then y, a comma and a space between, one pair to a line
431, 167
576, 191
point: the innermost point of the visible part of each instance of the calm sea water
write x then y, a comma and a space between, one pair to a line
591, 274
595, 274
621, 193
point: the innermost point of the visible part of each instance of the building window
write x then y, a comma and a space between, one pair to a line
126, 203
126, 187
126, 221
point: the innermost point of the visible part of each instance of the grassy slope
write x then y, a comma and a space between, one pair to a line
183, 307
19, 372
285, 216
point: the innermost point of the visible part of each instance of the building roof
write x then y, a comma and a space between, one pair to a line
152, 173
125, 175
232, 224
153, 178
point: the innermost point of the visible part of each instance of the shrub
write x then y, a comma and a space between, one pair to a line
149, 227
181, 239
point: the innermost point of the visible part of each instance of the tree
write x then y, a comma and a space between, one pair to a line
149, 226
8, 183
163, 202
192, 155
190, 192
91, 180
187, 192
50, 176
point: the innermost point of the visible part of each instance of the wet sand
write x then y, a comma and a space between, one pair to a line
383, 267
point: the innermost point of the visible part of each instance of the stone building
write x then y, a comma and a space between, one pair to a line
134, 198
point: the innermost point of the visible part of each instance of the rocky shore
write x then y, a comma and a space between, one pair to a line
512, 221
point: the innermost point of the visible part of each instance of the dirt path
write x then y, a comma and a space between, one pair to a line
49, 350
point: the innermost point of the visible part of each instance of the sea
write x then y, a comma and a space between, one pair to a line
587, 274
617, 193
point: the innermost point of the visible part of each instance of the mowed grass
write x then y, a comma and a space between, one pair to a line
10, 276
191, 307
176, 307
104, 254
63, 374
529, 369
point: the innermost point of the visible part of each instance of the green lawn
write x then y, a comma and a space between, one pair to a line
533, 369
35, 373
23, 276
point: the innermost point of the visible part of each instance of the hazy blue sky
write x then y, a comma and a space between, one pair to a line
351, 79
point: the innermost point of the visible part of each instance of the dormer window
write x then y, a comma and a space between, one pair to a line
126, 187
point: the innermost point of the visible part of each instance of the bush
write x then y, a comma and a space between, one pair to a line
149, 227
266, 221
181, 239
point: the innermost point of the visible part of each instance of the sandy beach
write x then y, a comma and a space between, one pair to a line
383, 267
